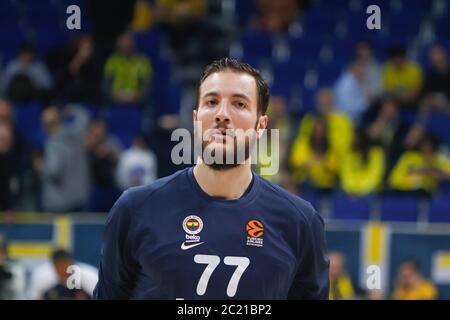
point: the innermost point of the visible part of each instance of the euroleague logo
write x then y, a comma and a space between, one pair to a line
255, 231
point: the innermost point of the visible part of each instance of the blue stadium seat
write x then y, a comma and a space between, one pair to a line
290, 72
320, 21
403, 208
356, 23
50, 37
343, 48
442, 27
328, 73
27, 118
257, 45
350, 207
438, 124
416, 5
333, 4
305, 48
11, 38
444, 189
439, 210
124, 121
245, 11
404, 22
148, 42
308, 100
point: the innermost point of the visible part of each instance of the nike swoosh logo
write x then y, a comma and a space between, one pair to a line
185, 247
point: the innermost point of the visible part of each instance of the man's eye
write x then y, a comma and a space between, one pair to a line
240, 104
211, 103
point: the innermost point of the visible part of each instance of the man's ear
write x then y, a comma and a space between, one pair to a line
194, 115
262, 125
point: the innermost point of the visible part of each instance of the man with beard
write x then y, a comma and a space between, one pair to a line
216, 230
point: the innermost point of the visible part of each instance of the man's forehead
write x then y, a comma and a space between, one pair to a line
229, 83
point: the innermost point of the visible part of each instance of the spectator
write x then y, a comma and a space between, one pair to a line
375, 294
411, 285
101, 13
413, 137
79, 76
277, 16
279, 121
341, 287
387, 130
351, 98
25, 78
143, 17
103, 153
127, 73
175, 17
420, 170
372, 76
8, 174
6, 112
402, 78
313, 161
436, 92
12, 275
362, 169
49, 280
137, 165
64, 167
181, 13
340, 128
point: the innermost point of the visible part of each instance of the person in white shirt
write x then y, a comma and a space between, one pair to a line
48, 275
351, 97
137, 165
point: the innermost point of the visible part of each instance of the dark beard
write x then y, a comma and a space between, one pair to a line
236, 162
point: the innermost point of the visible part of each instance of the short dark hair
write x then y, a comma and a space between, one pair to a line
26, 47
397, 51
61, 254
239, 67
412, 263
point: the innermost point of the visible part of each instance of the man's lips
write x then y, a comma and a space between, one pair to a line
219, 135
222, 131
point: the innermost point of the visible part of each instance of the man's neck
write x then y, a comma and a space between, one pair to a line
229, 184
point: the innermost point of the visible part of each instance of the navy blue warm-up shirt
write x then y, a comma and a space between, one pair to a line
170, 240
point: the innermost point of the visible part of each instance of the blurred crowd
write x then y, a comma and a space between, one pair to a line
409, 283
88, 117
364, 133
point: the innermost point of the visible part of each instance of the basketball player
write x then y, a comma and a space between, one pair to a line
216, 230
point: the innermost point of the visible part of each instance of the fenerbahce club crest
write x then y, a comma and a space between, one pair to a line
192, 225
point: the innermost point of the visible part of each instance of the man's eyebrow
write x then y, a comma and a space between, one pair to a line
241, 95
211, 93
236, 95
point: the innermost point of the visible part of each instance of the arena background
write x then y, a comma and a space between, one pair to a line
301, 47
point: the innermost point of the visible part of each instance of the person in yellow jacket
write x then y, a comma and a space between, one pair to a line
362, 168
401, 77
127, 73
280, 126
341, 287
411, 285
340, 128
313, 160
420, 170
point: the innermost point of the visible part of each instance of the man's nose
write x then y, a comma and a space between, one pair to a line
223, 113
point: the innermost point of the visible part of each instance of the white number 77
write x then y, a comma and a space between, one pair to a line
212, 262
